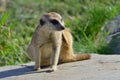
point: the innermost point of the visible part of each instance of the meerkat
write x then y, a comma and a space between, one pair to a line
51, 43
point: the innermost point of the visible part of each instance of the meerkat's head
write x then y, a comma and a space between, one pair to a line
52, 21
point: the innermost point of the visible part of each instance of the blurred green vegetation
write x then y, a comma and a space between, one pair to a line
84, 17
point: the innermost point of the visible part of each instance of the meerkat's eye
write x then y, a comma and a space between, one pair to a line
42, 22
54, 22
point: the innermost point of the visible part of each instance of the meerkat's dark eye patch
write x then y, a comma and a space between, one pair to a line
42, 22
54, 21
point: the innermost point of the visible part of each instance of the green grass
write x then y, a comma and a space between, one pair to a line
84, 17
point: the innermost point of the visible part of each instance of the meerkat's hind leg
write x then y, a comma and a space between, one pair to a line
34, 54
31, 52
37, 59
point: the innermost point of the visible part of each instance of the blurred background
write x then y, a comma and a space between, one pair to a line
85, 18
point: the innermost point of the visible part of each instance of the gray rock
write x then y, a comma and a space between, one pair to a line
99, 67
112, 33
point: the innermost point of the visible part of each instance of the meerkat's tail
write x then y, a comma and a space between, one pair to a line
75, 57
80, 57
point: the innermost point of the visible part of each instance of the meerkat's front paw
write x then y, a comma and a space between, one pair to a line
53, 68
36, 68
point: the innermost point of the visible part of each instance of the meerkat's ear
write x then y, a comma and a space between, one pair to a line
42, 22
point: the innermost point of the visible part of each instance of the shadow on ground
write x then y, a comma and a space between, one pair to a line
21, 71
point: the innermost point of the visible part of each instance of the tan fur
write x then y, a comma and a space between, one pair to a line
50, 46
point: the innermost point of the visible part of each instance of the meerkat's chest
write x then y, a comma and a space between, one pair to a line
46, 50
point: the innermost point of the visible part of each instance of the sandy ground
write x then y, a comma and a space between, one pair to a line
99, 67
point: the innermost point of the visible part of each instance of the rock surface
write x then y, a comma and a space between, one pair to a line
112, 28
99, 67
